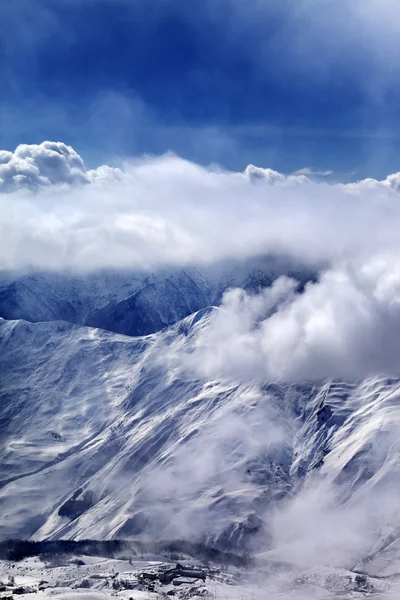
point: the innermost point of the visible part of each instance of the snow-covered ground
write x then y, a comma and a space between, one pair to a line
95, 578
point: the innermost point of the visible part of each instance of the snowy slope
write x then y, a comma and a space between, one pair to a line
51, 296
102, 437
87, 410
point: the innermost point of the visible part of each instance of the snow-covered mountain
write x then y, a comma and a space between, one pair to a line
100, 426
107, 430
133, 303
103, 436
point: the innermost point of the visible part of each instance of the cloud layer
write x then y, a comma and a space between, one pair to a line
157, 211
160, 211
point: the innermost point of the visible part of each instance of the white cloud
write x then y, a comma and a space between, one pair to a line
270, 176
39, 165
307, 171
346, 325
165, 210
392, 182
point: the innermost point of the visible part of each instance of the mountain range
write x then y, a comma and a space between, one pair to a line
104, 435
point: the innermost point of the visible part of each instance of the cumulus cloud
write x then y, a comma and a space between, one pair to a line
392, 182
270, 176
39, 165
346, 325
164, 210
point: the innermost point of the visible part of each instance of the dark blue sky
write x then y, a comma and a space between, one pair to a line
285, 83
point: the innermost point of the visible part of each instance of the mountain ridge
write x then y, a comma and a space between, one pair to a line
134, 303
108, 441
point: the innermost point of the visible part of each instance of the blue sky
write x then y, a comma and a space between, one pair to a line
286, 84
